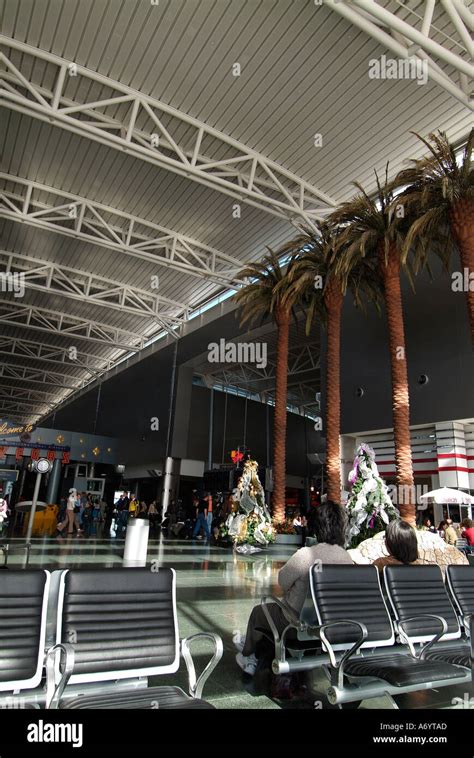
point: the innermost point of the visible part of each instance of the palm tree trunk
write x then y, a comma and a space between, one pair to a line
333, 299
282, 319
462, 228
390, 269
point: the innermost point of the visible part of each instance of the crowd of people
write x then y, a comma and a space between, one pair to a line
452, 532
200, 518
87, 516
81, 514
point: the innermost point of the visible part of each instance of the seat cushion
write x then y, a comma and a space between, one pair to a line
402, 670
460, 655
145, 699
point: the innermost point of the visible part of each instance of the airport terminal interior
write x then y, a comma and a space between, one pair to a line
236, 354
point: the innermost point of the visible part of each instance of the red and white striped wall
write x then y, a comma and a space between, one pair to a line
442, 451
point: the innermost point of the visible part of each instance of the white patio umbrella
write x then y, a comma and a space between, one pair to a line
448, 495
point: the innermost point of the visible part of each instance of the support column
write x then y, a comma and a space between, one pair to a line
170, 482
53, 482
211, 430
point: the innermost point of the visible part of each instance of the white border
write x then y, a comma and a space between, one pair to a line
102, 676
35, 680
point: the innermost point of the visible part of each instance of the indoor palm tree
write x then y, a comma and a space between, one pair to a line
264, 296
369, 229
315, 284
440, 203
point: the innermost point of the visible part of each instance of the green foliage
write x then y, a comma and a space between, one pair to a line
436, 183
266, 290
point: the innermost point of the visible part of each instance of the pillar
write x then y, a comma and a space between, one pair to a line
211, 430
53, 482
170, 482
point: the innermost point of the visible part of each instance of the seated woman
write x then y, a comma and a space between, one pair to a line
401, 543
293, 578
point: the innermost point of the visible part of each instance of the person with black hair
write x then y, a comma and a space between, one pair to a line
401, 543
293, 578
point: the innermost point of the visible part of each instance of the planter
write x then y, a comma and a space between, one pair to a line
289, 539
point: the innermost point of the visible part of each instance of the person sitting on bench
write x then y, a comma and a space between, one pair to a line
293, 578
401, 543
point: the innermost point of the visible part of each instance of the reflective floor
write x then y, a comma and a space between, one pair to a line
216, 590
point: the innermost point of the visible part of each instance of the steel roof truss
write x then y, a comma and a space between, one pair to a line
87, 220
64, 325
248, 175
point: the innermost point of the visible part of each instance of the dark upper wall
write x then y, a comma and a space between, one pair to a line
131, 398
245, 422
128, 401
438, 345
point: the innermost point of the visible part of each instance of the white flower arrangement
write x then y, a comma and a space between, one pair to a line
369, 505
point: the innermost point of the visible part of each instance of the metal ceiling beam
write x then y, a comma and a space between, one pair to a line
421, 38
25, 397
407, 42
109, 227
16, 418
39, 351
74, 284
71, 327
15, 405
301, 359
155, 132
40, 376
19, 392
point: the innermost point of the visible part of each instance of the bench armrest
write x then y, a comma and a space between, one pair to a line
195, 686
55, 690
436, 637
469, 624
337, 673
293, 619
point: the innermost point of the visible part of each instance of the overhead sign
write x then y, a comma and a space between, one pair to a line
9, 429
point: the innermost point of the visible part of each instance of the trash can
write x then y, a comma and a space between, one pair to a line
136, 541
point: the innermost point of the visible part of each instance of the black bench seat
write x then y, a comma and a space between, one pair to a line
164, 698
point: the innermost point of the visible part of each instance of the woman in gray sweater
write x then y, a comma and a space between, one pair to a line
293, 578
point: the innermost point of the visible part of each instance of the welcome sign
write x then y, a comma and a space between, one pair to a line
9, 429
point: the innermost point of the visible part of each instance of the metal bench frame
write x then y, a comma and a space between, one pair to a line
62, 683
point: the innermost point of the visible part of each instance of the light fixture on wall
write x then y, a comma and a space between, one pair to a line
60, 439
423, 379
359, 392
96, 450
